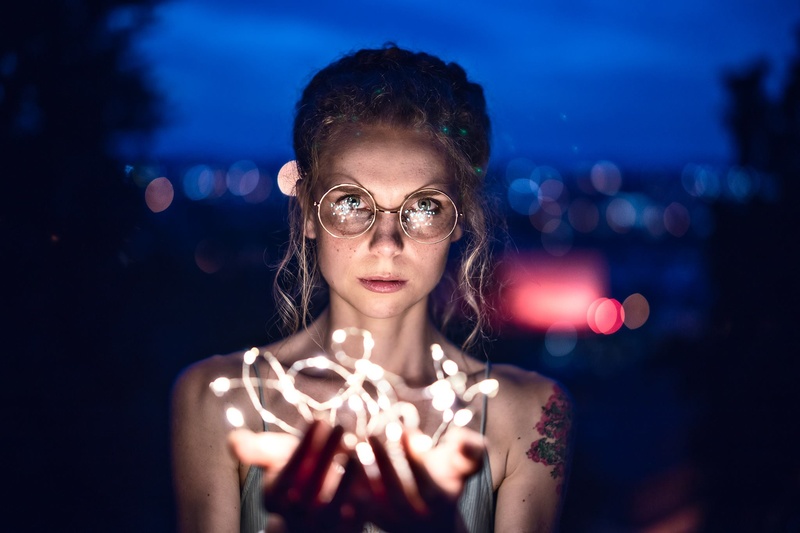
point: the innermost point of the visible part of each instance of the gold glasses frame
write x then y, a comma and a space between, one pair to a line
380, 209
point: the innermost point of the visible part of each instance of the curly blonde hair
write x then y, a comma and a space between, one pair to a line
397, 88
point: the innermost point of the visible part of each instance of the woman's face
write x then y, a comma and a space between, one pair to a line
382, 273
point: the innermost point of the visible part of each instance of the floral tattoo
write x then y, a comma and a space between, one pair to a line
551, 449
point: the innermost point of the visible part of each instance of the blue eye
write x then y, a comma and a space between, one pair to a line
352, 201
427, 204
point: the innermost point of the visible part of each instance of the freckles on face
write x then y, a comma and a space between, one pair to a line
390, 164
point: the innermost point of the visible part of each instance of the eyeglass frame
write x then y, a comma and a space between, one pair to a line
380, 209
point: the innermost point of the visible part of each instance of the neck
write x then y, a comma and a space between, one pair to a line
402, 344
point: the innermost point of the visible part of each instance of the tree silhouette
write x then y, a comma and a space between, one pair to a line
70, 92
749, 438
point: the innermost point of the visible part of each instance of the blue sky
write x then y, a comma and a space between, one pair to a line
567, 81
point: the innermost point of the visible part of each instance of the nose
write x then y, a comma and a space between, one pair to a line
386, 235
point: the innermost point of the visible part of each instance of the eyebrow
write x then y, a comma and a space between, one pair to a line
332, 180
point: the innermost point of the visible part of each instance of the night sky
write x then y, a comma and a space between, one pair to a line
567, 82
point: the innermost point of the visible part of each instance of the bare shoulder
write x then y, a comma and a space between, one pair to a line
193, 383
522, 390
530, 422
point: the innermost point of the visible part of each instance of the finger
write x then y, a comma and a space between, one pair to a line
296, 468
448, 465
322, 465
428, 489
469, 448
390, 486
268, 450
347, 500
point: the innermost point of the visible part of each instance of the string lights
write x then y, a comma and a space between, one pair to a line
371, 393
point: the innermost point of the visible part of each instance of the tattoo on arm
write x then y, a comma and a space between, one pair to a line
554, 426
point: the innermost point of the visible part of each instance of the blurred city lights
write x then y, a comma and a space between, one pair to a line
620, 215
242, 178
159, 194
653, 220
637, 311
583, 215
560, 339
676, 219
556, 237
523, 196
543, 290
605, 315
741, 183
198, 182
700, 181
606, 177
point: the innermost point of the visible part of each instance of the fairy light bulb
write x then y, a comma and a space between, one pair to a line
221, 386
381, 402
235, 417
394, 431
450, 367
462, 417
364, 453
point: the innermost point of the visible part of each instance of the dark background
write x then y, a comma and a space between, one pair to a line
686, 423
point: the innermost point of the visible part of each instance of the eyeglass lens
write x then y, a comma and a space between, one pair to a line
426, 216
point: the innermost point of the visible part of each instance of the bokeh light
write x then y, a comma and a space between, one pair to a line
620, 215
261, 192
543, 290
637, 311
700, 181
556, 237
208, 257
676, 219
198, 182
583, 215
606, 177
159, 194
242, 178
653, 220
741, 184
605, 315
523, 196
560, 339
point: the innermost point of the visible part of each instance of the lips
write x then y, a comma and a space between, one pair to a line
382, 285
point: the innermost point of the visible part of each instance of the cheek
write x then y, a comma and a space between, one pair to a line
333, 255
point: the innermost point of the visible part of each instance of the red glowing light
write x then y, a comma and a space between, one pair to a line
605, 315
159, 194
543, 290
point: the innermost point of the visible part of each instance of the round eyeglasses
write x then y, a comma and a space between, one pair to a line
427, 216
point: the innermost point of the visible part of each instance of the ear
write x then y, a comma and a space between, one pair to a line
458, 232
310, 226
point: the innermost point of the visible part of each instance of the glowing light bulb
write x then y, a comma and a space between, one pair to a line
365, 454
220, 386
450, 367
235, 417
355, 404
250, 356
489, 386
393, 431
339, 336
421, 442
462, 417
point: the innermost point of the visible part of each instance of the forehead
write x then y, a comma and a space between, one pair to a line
382, 157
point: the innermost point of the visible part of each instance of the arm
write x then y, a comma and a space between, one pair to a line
536, 425
205, 474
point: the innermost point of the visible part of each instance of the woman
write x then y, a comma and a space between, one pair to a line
379, 134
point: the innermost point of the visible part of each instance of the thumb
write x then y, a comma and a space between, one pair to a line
266, 449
